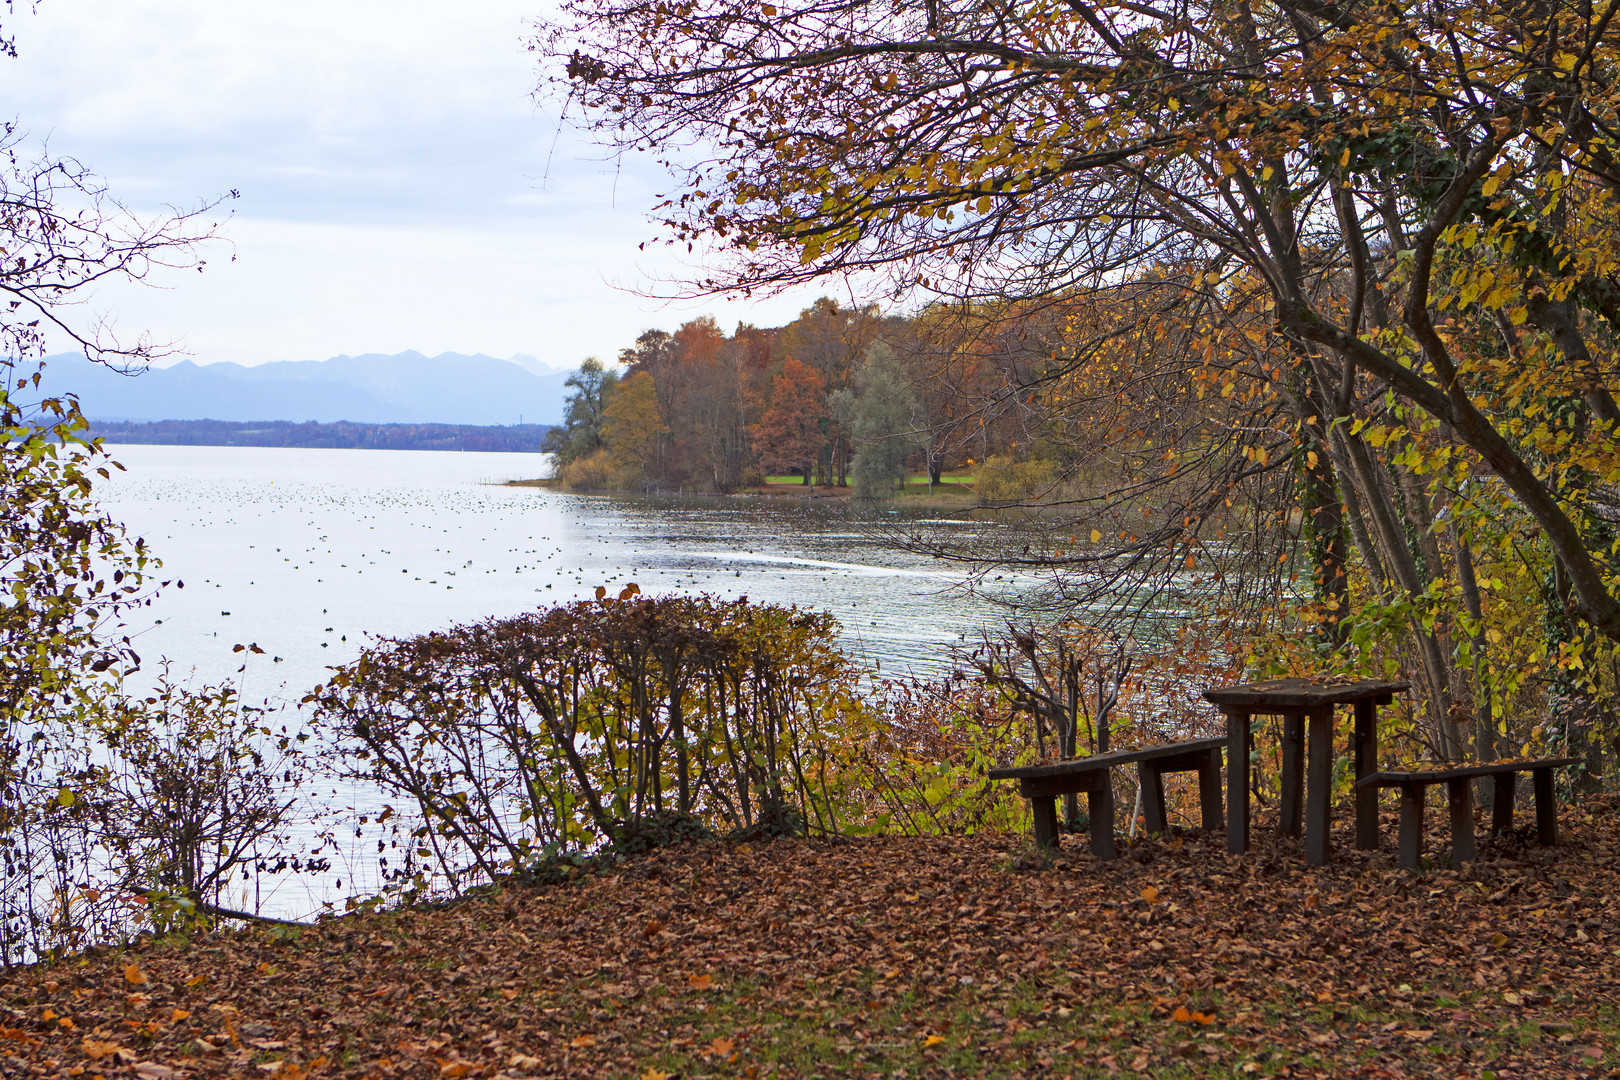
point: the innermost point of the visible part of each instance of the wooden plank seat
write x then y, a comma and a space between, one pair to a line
1412, 785
1092, 776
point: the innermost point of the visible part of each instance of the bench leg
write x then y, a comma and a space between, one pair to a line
1319, 785
1152, 781
1502, 802
1546, 808
1237, 783
1411, 835
1100, 805
1292, 780
1366, 756
1046, 825
1460, 796
1209, 789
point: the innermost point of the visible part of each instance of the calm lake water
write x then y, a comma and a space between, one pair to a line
307, 552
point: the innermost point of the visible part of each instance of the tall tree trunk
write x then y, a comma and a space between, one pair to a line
1390, 538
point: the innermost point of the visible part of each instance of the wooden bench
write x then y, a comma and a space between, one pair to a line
1092, 776
1460, 796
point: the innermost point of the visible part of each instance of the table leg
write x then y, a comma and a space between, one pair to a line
1292, 780
1502, 803
1237, 782
1046, 828
1366, 754
1460, 797
1546, 808
1152, 781
1209, 789
1319, 785
1100, 806
1411, 834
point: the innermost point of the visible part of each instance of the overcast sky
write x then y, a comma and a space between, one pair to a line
399, 187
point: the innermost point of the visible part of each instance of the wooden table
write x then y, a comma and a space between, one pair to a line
1306, 707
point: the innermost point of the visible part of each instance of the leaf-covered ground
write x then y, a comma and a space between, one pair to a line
893, 957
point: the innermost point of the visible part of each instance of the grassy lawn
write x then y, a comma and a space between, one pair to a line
894, 957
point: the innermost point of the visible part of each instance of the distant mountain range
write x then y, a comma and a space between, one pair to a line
342, 435
406, 388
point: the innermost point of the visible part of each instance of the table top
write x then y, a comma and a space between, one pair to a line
1298, 693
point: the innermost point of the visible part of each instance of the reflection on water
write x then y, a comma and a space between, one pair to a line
307, 552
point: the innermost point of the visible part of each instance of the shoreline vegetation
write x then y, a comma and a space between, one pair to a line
841, 398
952, 491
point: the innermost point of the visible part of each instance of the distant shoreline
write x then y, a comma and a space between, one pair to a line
339, 435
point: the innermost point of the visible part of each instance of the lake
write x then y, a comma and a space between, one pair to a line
306, 553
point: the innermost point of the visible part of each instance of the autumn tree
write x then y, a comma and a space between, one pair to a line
632, 430
1398, 222
831, 339
792, 432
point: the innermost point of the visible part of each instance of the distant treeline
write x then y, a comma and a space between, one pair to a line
343, 435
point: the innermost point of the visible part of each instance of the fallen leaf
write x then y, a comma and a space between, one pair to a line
453, 1069
96, 1049
700, 982
1150, 893
579, 1042
652, 928
933, 1040
134, 975
721, 1047
179, 1014
655, 1074
525, 1061
1181, 1015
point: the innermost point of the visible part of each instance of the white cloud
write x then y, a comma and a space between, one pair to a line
398, 187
